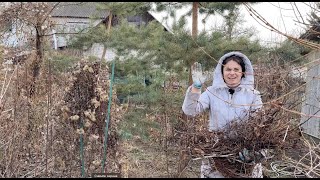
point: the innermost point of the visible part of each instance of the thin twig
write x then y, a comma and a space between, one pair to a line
213, 155
285, 134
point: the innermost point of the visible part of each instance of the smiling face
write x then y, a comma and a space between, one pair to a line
232, 74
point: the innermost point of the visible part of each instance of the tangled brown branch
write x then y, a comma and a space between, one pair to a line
272, 129
266, 129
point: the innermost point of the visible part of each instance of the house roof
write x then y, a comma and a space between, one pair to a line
77, 10
86, 10
162, 23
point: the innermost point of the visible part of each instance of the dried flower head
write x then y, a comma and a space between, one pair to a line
74, 118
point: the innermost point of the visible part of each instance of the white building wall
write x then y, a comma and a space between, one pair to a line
97, 50
69, 25
18, 36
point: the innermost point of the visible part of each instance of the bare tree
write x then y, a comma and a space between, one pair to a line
29, 22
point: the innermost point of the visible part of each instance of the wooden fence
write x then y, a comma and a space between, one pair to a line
311, 105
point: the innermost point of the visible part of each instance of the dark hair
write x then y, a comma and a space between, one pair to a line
237, 59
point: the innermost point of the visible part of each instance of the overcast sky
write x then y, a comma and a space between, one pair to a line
281, 15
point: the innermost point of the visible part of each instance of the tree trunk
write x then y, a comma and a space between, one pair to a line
184, 156
108, 32
36, 62
39, 57
103, 53
195, 8
195, 19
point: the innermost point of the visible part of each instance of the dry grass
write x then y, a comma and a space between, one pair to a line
38, 137
40, 134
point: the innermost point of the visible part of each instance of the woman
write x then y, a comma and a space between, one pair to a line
230, 97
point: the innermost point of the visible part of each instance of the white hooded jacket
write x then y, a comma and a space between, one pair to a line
223, 106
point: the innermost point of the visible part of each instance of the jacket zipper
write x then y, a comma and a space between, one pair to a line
230, 99
230, 103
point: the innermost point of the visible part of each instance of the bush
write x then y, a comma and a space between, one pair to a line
62, 63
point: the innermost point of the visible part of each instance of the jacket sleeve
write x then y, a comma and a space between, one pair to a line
257, 102
195, 103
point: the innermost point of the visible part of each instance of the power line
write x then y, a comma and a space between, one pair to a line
298, 11
280, 7
312, 8
284, 25
297, 40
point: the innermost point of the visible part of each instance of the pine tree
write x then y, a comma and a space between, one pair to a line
151, 47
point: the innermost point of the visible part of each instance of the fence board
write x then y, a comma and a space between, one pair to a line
311, 105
